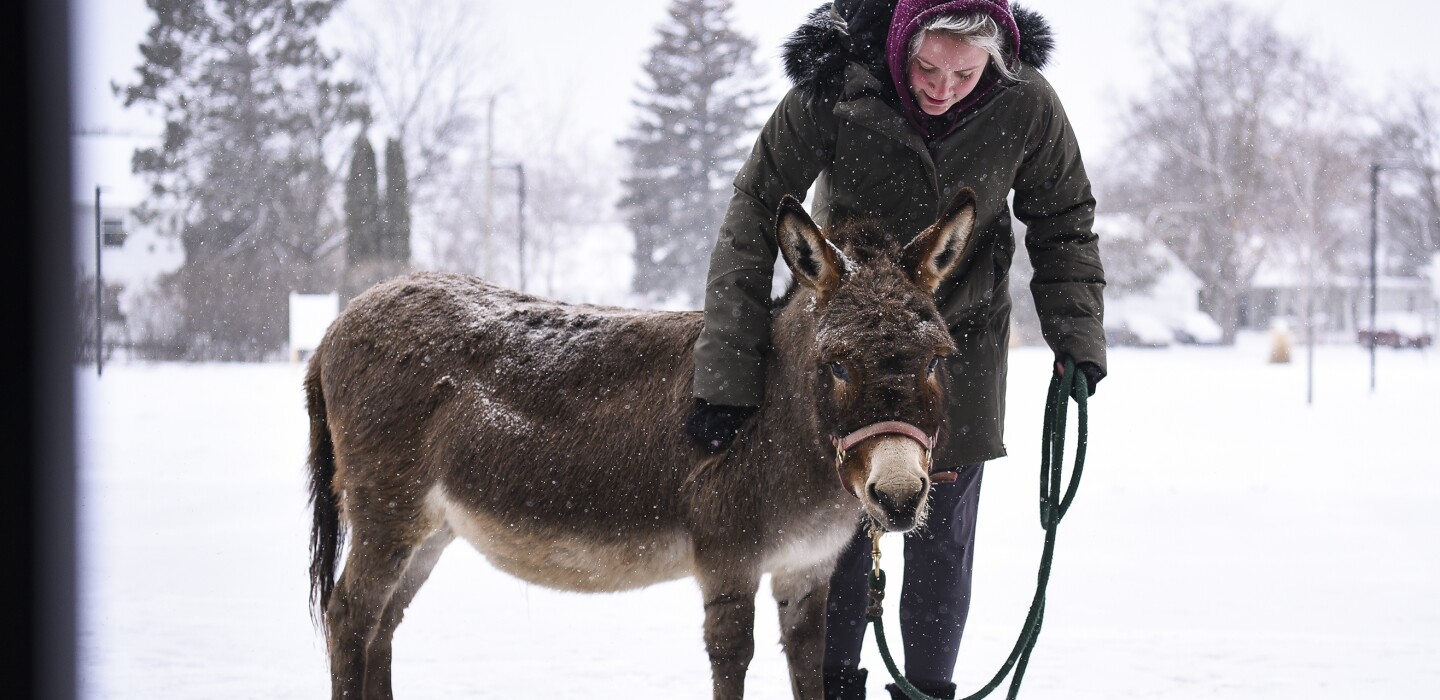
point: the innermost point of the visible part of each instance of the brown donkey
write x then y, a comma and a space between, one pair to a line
549, 436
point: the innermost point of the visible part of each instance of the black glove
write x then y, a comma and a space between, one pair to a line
1092, 372
713, 426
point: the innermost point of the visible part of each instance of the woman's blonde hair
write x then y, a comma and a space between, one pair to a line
975, 28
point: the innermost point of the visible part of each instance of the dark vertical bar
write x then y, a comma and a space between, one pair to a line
1310, 331
37, 280
1374, 255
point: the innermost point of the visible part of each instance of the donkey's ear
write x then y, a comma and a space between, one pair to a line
811, 258
933, 254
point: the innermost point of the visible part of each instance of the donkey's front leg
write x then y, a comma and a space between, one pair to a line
800, 597
729, 626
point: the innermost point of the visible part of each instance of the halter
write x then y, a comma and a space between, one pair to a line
843, 445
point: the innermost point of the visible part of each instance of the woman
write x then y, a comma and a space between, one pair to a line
896, 106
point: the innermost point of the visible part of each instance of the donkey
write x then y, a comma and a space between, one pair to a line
550, 437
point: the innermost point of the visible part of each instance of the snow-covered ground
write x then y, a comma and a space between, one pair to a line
1228, 541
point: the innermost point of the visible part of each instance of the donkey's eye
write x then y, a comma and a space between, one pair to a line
839, 371
934, 365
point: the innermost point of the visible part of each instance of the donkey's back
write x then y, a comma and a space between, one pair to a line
547, 434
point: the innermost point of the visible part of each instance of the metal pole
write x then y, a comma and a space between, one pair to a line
1374, 255
520, 217
1310, 331
99, 302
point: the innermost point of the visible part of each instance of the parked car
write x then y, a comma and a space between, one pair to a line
1396, 329
1137, 330
1197, 328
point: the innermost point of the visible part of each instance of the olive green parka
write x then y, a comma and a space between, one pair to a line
855, 147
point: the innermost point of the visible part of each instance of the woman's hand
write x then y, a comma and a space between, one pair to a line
713, 426
1092, 372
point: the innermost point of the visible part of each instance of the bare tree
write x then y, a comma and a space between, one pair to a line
1409, 135
1202, 143
453, 217
421, 65
571, 193
570, 181
1319, 185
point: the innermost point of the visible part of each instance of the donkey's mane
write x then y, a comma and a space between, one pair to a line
863, 240
866, 240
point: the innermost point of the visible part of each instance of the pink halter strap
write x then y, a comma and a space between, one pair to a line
890, 427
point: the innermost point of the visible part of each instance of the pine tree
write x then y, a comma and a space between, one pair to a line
240, 174
362, 205
690, 138
379, 227
396, 215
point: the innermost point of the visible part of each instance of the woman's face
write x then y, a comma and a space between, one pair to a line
944, 71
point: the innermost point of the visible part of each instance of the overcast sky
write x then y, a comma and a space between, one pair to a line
586, 56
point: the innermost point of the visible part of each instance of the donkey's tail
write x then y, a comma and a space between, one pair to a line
326, 535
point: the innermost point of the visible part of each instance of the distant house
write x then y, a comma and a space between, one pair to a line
133, 256
1341, 302
1165, 310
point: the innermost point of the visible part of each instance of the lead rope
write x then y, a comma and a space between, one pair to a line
1052, 511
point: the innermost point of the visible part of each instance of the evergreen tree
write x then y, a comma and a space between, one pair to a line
690, 138
396, 214
240, 173
362, 205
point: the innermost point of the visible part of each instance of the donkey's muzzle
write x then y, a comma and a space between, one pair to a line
901, 509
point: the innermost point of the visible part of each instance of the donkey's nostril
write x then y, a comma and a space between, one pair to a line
900, 510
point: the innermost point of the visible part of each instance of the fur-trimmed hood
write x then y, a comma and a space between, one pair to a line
839, 32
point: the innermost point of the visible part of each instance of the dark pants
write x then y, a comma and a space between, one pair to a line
934, 598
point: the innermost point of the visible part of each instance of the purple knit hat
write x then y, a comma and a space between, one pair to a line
909, 16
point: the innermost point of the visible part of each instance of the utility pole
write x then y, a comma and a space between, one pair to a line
1374, 242
1375, 169
1310, 322
1374, 255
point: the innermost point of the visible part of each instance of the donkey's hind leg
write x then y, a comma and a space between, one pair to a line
378, 658
800, 597
380, 552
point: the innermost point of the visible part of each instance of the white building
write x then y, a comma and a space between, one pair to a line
132, 256
1341, 302
1169, 311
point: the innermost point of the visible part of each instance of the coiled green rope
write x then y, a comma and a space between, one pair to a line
1070, 384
